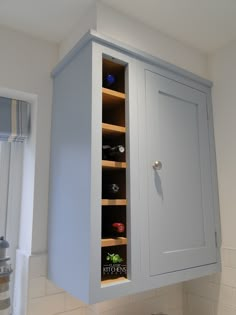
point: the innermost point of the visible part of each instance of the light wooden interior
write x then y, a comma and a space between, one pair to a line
113, 107
113, 164
113, 281
114, 202
112, 97
107, 242
113, 132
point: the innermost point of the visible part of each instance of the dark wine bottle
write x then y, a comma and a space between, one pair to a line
118, 228
109, 80
110, 191
109, 152
112, 188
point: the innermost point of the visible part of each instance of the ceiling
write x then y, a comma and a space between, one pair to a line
204, 24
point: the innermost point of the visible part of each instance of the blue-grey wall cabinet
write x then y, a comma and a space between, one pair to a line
168, 199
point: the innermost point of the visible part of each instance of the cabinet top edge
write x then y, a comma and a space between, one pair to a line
94, 36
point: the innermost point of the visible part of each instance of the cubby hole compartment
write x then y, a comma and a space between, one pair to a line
117, 177
118, 71
113, 112
110, 215
114, 270
114, 141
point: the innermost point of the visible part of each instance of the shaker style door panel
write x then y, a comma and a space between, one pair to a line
180, 203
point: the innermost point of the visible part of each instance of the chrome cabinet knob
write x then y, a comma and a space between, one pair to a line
157, 165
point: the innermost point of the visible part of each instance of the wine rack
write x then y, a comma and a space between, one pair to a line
113, 206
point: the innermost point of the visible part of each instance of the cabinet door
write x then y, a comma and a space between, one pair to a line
181, 231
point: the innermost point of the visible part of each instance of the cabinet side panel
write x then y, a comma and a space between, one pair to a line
69, 207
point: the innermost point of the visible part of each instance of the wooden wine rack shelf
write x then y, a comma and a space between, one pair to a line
113, 281
113, 164
112, 98
107, 242
108, 129
112, 93
114, 202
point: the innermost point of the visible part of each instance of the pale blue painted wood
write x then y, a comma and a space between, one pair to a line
180, 228
94, 36
98, 293
214, 178
75, 189
70, 177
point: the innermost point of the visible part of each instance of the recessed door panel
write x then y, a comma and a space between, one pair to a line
180, 206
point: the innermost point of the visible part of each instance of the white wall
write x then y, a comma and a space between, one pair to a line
216, 295
110, 22
87, 22
25, 65
133, 33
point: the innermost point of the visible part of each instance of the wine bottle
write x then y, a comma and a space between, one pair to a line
110, 191
109, 152
115, 229
112, 188
118, 228
109, 80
